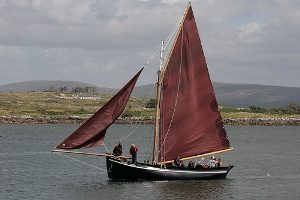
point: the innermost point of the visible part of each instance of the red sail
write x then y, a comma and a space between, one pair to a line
92, 132
191, 122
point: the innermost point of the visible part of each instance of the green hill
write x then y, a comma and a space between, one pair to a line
57, 105
236, 95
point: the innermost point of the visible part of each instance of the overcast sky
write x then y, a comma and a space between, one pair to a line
104, 42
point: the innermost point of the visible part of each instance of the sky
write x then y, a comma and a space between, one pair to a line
105, 42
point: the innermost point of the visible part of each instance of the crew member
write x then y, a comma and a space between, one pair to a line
118, 150
133, 152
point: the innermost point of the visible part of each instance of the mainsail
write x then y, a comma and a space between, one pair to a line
92, 132
191, 123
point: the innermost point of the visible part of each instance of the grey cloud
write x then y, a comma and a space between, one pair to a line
105, 42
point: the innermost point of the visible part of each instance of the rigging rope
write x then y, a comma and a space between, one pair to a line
150, 59
105, 148
167, 41
137, 126
83, 162
123, 138
172, 34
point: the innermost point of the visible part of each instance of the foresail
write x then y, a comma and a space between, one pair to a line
92, 132
191, 122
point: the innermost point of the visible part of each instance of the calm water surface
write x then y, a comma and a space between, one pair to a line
266, 159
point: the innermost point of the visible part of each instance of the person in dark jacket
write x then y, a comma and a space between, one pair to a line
133, 152
191, 165
118, 150
177, 162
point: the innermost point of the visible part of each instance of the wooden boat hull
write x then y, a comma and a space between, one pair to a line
120, 170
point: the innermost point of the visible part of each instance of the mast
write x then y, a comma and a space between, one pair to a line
161, 59
158, 96
160, 75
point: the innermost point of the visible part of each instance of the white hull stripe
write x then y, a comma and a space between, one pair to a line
168, 170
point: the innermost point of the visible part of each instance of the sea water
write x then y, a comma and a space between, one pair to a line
266, 159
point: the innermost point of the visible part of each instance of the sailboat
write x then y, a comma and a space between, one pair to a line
188, 123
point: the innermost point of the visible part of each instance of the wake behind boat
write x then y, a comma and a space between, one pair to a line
188, 122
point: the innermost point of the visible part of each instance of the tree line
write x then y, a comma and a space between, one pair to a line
289, 109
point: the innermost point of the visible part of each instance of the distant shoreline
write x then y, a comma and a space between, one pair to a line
227, 121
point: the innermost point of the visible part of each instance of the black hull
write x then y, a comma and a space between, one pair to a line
119, 170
